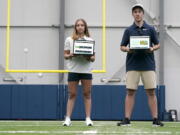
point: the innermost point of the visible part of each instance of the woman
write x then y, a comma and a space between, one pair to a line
80, 71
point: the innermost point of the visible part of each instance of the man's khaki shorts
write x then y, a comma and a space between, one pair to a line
148, 79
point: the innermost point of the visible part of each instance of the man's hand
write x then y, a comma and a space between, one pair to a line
126, 49
151, 49
154, 48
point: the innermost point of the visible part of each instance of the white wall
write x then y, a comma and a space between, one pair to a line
172, 55
35, 12
42, 43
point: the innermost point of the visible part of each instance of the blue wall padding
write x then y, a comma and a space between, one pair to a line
28, 101
161, 102
49, 102
108, 104
5, 102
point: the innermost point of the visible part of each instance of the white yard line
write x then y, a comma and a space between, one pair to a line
59, 125
74, 125
28, 132
51, 121
93, 132
81, 132
35, 125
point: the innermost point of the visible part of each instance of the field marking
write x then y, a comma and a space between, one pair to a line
90, 132
74, 125
28, 125
75, 121
80, 132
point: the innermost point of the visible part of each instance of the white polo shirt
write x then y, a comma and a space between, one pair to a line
78, 64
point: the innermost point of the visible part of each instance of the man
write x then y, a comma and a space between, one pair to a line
140, 63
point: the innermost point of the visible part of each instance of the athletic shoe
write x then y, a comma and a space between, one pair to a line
67, 122
157, 123
89, 122
125, 122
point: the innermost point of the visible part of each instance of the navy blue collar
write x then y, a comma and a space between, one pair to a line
143, 26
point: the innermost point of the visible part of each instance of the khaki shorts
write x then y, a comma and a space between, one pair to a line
148, 79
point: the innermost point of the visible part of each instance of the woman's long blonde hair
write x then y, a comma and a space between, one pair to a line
75, 35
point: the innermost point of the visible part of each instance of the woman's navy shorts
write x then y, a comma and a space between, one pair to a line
79, 76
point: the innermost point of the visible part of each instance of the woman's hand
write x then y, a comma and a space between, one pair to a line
68, 55
90, 58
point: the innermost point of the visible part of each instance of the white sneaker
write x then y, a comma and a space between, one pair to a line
67, 122
89, 122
